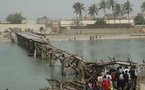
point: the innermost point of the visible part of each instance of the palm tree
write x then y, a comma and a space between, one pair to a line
103, 5
79, 7
143, 7
118, 11
111, 4
127, 8
93, 11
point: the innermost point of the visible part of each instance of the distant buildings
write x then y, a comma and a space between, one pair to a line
28, 21
26, 24
44, 20
90, 24
141, 14
56, 27
108, 16
111, 16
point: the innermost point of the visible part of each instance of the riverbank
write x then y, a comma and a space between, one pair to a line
74, 37
5, 40
5, 37
59, 37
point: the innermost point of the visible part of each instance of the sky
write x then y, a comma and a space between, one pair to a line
54, 9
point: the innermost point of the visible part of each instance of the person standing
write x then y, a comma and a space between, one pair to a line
106, 83
117, 74
133, 77
127, 69
121, 78
110, 78
113, 79
96, 37
100, 80
126, 79
120, 69
95, 86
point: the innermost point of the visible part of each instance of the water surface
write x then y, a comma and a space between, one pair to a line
21, 72
101, 49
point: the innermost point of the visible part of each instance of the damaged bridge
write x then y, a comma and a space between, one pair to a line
38, 46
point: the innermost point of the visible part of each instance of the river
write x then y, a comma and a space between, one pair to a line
21, 72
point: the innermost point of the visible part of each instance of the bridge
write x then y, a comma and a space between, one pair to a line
39, 47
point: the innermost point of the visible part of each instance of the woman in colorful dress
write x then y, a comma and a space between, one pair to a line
106, 83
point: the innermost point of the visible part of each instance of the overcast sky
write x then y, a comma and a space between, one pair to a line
54, 9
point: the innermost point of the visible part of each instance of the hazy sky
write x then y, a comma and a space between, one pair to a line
54, 9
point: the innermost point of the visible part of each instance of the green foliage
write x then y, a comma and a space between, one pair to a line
143, 7
100, 21
139, 20
77, 22
103, 6
127, 7
93, 10
78, 7
118, 10
111, 4
15, 18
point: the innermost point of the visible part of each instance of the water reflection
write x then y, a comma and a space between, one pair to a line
101, 49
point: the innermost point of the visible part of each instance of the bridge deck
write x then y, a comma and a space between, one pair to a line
34, 37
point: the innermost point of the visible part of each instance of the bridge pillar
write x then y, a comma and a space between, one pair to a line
52, 61
43, 52
63, 66
35, 53
83, 74
81, 69
42, 55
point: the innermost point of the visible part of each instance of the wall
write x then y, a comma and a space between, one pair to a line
139, 26
99, 31
35, 27
88, 22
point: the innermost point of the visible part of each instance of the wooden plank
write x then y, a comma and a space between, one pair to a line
67, 53
33, 37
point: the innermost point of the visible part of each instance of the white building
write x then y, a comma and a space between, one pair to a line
69, 24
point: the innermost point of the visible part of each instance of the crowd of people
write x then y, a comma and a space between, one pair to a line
122, 78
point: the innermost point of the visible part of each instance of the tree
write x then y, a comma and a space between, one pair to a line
15, 18
118, 11
100, 21
79, 7
127, 8
76, 22
93, 10
139, 20
102, 6
111, 4
143, 7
